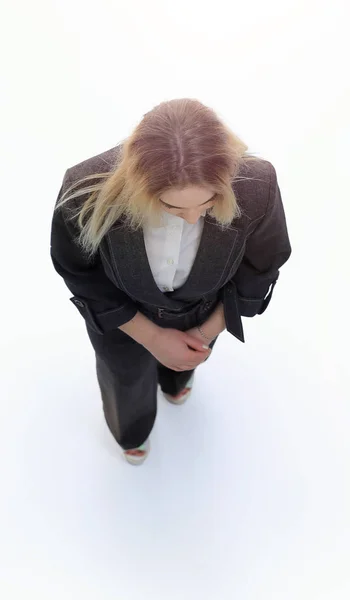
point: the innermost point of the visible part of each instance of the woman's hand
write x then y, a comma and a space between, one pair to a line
178, 350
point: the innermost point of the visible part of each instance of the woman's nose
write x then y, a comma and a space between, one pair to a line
192, 217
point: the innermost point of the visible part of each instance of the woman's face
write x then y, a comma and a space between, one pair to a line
189, 203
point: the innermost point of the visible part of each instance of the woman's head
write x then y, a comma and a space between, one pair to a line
182, 155
181, 159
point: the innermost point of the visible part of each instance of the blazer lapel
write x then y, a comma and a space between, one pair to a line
131, 267
214, 256
130, 264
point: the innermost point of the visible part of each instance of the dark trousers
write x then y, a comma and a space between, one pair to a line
128, 376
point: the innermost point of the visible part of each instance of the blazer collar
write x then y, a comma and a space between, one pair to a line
130, 264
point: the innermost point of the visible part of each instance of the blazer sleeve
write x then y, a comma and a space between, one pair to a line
103, 306
267, 249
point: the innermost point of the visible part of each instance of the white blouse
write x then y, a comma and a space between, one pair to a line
171, 250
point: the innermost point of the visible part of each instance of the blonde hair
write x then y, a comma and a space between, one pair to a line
178, 143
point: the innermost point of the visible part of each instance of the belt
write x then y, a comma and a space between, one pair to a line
231, 311
201, 304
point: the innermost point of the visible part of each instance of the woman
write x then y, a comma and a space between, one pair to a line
164, 241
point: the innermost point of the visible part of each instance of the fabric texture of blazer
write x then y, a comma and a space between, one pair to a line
239, 264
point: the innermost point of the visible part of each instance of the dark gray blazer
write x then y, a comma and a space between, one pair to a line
240, 265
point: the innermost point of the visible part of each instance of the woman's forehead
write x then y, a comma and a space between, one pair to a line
188, 197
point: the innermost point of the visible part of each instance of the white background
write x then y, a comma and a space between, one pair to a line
246, 492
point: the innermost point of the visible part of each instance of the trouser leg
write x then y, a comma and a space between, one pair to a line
172, 382
127, 377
